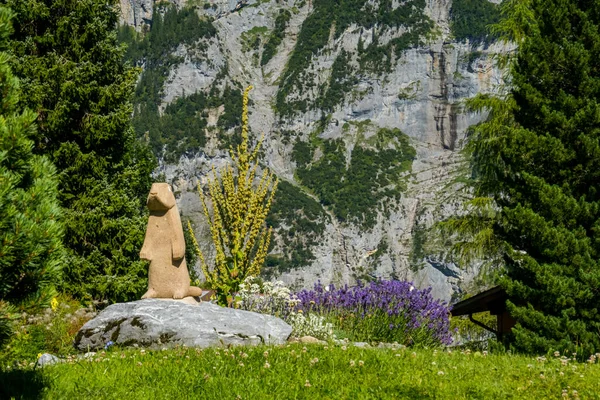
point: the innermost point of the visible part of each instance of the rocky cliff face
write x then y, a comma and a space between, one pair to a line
375, 107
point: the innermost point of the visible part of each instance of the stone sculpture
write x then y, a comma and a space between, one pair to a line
164, 247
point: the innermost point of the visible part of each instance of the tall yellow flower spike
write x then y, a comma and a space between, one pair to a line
237, 222
54, 303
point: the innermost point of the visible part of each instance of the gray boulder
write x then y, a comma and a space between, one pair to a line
162, 323
47, 359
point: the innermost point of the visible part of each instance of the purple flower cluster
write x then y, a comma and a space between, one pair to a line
384, 310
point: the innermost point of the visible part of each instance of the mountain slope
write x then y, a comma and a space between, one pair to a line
361, 106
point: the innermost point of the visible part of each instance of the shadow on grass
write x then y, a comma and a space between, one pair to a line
21, 384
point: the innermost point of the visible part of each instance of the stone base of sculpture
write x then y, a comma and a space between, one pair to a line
157, 323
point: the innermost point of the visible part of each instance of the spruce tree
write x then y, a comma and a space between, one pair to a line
538, 158
31, 251
67, 56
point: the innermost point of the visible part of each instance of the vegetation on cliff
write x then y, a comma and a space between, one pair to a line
354, 189
298, 221
181, 127
472, 20
334, 17
276, 36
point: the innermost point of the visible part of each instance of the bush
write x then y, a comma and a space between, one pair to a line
237, 221
271, 298
31, 249
274, 298
381, 311
50, 330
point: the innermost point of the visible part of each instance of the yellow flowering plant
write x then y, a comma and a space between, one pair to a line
54, 303
237, 222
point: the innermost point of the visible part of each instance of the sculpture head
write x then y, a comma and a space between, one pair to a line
161, 197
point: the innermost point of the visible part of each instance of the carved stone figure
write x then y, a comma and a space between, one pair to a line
164, 247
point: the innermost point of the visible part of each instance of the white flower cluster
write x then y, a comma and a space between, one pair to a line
311, 325
266, 298
276, 299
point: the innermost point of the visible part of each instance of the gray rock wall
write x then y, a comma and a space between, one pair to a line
423, 95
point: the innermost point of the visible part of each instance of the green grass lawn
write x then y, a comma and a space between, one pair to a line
311, 372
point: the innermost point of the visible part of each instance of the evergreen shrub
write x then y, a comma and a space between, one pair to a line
536, 164
31, 231
67, 55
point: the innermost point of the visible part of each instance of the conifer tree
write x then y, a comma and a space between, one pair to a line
67, 56
538, 158
31, 251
